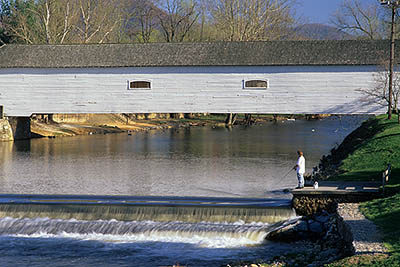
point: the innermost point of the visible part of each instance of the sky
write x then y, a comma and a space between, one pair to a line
319, 11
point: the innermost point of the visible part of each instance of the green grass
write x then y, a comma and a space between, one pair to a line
365, 153
385, 213
371, 260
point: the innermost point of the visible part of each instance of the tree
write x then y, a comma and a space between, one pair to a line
178, 19
35, 22
5, 36
380, 92
19, 22
361, 20
140, 20
60, 21
97, 20
55, 18
253, 20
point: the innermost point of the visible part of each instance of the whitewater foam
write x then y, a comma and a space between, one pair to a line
202, 234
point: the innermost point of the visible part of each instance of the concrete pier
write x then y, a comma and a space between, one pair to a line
6, 133
308, 201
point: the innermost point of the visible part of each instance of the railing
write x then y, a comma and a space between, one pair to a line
385, 177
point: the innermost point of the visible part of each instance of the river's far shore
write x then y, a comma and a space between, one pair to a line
58, 125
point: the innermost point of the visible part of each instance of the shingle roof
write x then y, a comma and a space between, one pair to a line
281, 53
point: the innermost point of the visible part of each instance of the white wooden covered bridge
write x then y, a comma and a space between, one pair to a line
280, 77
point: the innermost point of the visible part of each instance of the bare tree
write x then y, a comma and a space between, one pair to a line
178, 19
252, 20
145, 14
55, 18
97, 20
360, 19
45, 21
380, 92
140, 19
63, 21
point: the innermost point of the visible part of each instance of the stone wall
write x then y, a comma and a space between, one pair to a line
328, 232
6, 133
310, 204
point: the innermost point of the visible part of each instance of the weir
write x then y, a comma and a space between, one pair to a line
204, 234
160, 209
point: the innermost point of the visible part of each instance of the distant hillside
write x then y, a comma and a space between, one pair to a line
317, 31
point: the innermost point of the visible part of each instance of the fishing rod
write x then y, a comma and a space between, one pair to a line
287, 173
282, 179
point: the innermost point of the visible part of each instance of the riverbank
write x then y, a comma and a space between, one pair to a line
87, 124
363, 156
58, 125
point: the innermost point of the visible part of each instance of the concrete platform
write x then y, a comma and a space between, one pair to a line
340, 188
308, 201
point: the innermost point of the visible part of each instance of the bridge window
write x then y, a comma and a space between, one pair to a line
256, 84
139, 85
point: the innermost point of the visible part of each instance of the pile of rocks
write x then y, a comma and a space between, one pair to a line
330, 236
311, 205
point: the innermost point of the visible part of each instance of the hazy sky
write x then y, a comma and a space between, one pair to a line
319, 11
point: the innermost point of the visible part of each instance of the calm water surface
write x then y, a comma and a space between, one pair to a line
242, 162
186, 162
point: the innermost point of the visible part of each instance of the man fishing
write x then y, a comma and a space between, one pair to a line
300, 168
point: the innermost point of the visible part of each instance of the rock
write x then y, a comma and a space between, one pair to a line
315, 227
289, 233
325, 254
301, 227
322, 218
309, 206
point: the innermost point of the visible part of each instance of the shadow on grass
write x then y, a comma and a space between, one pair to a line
392, 187
386, 136
360, 136
385, 212
361, 176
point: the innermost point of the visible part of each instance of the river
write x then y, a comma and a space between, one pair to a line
192, 162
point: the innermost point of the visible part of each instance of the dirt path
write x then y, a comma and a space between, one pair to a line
366, 235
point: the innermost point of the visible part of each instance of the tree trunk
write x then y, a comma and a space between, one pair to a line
247, 119
230, 119
51, 117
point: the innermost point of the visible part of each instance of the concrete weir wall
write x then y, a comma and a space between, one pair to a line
15, 128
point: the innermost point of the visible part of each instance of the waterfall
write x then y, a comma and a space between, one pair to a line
161, 209
208, 222
153, 213
205, 234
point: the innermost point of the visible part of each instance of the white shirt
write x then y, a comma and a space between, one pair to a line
301, 165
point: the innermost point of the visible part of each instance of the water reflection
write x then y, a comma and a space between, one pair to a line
185, 162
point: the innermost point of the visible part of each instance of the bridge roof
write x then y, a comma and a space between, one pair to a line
273, 53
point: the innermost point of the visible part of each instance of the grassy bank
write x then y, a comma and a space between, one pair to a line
363, 156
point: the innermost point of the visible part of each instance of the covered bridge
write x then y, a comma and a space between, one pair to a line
279, 77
